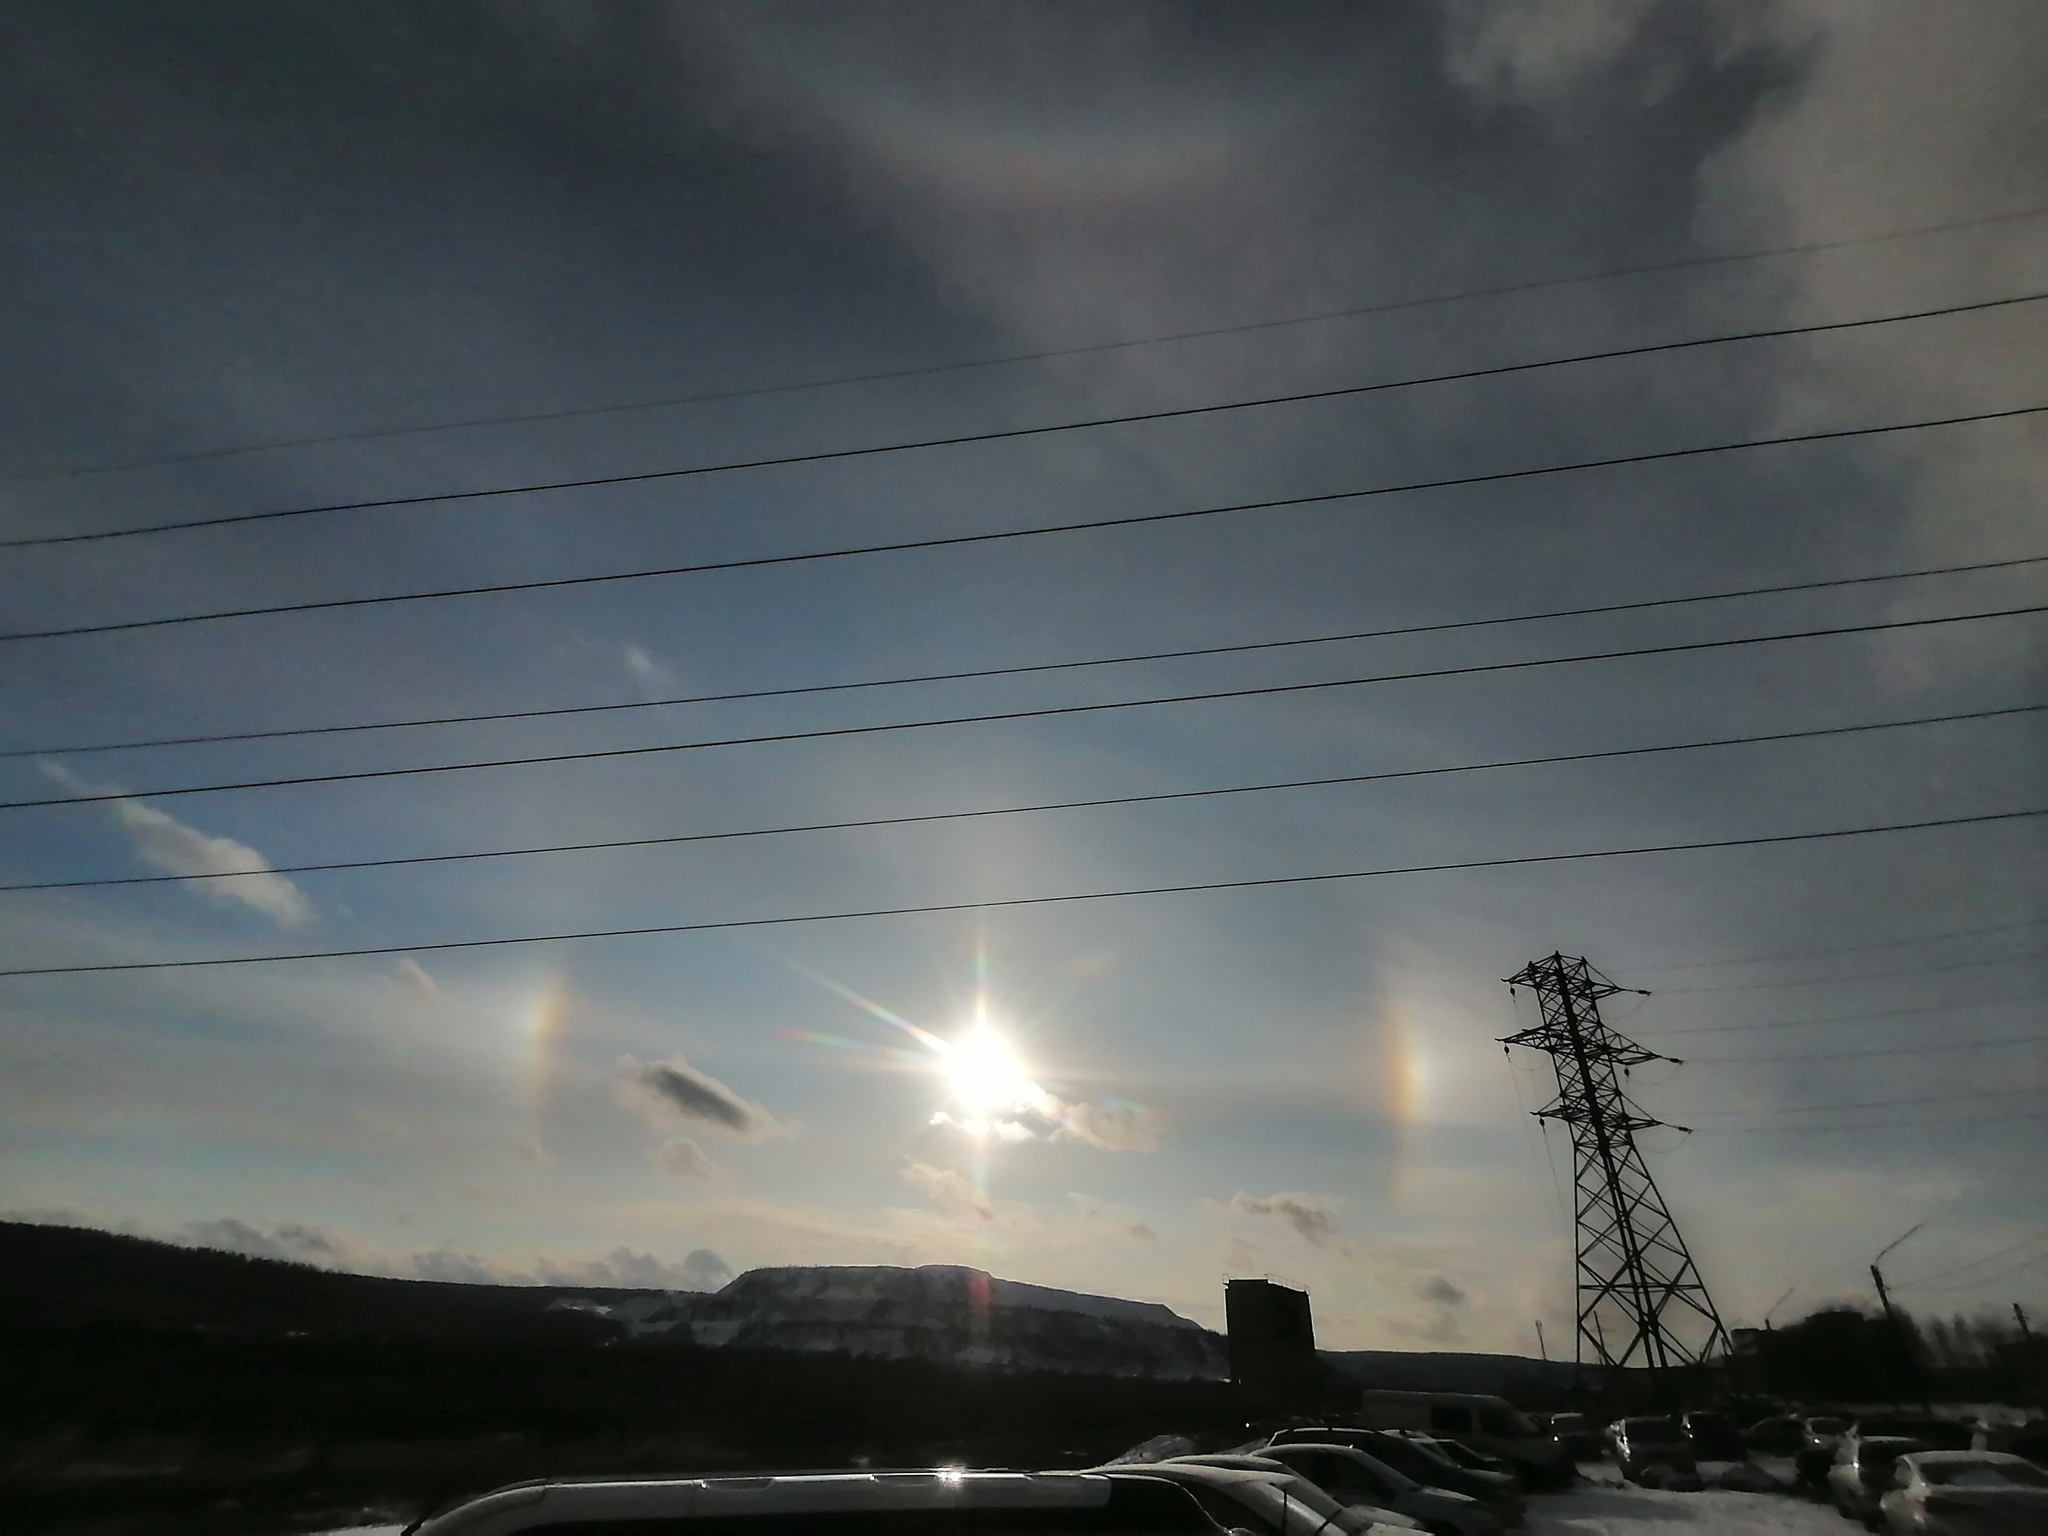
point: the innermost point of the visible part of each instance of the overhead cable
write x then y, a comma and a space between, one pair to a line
1890, 1126
1824, 981
1844, 1018
900, 546
1055, 805
726, 925
1978, 1263
1128, 658
1937, 1048
1213, 695
1843, 949
1814, 1109
1388, 306
1005, 434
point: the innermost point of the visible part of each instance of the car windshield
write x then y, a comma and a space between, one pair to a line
1827, 1426
1653, 1431
1984, 1474
1560, 1422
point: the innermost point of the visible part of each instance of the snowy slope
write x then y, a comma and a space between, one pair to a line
939, 1312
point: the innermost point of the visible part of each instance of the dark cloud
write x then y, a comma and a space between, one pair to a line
672, 1089
1436, 1288
1311, 1218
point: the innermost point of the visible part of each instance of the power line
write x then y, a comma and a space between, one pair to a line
943, 541
1823, 981
1057, 805
1808, 954
1043, 712
1850, 1018
720, 925
929, 370
1991, 1279
1034, 667
1989, 1258
1943, 1048
1889, 1125
1008, 434
1809, 1109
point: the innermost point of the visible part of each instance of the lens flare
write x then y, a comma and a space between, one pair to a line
985, 1077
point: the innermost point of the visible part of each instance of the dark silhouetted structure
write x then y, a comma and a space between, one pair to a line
1633, 1267
1272, 1346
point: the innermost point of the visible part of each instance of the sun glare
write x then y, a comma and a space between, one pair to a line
985, 1077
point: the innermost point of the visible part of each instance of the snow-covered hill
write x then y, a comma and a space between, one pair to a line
940, 1312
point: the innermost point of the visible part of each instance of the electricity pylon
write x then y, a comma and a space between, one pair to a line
1631, 1259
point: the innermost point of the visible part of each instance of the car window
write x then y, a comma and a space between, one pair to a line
1447, 1420
1228, 1512
1498, 1421
1984, 1474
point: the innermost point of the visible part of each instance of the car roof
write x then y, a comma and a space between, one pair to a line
1231, 1461
1951, 1458
783, 1494
1203, 1472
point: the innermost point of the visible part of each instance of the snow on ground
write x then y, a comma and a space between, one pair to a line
1621, 1511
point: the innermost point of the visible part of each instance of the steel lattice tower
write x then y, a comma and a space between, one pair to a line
1631, 1259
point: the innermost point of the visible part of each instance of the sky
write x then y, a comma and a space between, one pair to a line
275, 256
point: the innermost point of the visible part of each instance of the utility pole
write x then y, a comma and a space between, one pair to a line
1631, 1260
2019, 1315
1900, 1338
1543, 1349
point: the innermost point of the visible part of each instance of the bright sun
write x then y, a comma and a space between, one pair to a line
985, 1076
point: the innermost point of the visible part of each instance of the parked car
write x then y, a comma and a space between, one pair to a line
1500, 1493
1964, 1493
1822, 1439
1490, 1424
1712, 1436
941, 1503
1930, 1434
1265, 1501
1458, 1453
1782, 1434
1293, 1486
1863, 1471
1353, 1476
1578, 1434
1638, 1444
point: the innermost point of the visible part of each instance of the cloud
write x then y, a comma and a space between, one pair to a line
1143, 1231
947, 1189
671, 1089
454, 1268
1110, 1125
1115, 1126
1312, 1220
292, 1241
217, 867
1241, 1256
701, 1270
419, 978
1436, 1288
683, 1158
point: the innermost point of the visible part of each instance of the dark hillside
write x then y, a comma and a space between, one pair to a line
60, 1276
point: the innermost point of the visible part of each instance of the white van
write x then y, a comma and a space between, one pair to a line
1490, 1424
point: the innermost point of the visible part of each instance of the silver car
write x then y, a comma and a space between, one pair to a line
1262, 1502
939, 1502
1352, 1476
1965, 1493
